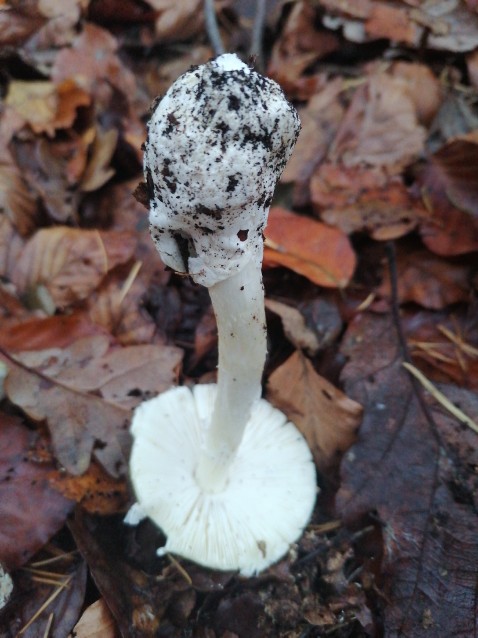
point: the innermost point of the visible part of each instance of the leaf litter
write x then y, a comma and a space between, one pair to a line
370, 254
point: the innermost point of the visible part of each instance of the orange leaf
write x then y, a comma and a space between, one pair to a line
308, 247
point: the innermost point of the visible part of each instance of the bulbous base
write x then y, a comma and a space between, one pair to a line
265, 504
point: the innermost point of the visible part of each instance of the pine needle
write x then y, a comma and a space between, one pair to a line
440, 397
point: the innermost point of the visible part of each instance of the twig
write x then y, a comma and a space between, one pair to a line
440, 397
257, 34
212, 28
46, 604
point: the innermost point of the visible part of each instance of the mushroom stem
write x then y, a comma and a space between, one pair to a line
238, 303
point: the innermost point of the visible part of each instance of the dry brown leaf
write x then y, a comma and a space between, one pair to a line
300, 45
428, 280
92, 61
423, 88
80, 424
70, 262
380, 127
320, 120
177, 20
50, 332
96, 622
312, 249
46, 106
326, 417
295, 328
117, 307
361, 199
11, 245
122, 376
98, 170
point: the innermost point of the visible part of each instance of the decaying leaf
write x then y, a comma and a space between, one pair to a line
380, 128
326, 416
92, 61
361, 199
46, 106
80, 424
321, 253
32, 511
410, 470
122, 376
429, 280
70, 262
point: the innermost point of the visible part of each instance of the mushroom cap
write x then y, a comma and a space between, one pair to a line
265, 505
217, 143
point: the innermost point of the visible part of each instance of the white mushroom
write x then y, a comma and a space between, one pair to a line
223, 474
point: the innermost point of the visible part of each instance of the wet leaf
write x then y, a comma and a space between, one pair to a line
32, 511
320, 253
406, 470
326, 417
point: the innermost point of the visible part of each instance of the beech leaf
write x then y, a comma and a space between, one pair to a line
326, 416
321, 253
80, 424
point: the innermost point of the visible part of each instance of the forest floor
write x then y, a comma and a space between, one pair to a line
371, 280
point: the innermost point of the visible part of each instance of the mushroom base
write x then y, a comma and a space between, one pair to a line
265, 504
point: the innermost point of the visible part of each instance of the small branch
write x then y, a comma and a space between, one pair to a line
212, 28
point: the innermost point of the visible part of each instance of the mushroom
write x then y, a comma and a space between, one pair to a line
226, 477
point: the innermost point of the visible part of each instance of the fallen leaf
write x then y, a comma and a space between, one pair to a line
80, 424
55, 590
446, 230
326, 416
70, 262
32, 511
422, 86
295, 328
46, 106
380, 127
117, 306
17, 24
456, 166
320, 120
299, 45
428, 280
92, 61
365, 200
411, 471
95, 622
177, 19
321, 253
98, 170
50, 332
95, 491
